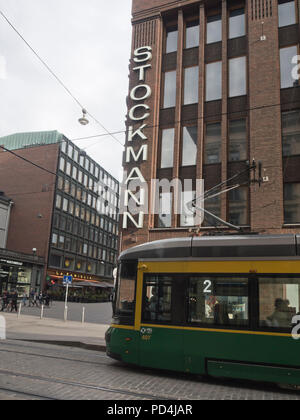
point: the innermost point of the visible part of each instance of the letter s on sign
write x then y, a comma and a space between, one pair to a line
295, 330
144, 55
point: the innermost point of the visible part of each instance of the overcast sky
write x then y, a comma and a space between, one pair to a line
87, 44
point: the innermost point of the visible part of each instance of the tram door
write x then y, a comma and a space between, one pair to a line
161, 338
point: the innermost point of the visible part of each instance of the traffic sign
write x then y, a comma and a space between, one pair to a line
67, 280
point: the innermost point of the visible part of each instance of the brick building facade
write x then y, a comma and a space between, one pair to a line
210, 89
65, 208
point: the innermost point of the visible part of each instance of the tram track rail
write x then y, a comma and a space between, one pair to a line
120, 391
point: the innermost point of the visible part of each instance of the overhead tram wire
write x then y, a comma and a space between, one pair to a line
56, 77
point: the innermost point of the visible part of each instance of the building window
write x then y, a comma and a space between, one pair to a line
62, 164
291, 203
167, 148
286, 13
237, 23
171, 39
213, 205
165, 210
286, 66
58, 201
189, 146
192, 34
170, 89
237, 77
291, 133
212, 147
54, 239
191, 85
238, 206
65, 204
187, 217
213, 81
237, 140
213, 29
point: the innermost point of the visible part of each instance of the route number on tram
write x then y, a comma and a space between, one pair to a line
207, 286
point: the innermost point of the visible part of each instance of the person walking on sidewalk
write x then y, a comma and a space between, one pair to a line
14, 301
4, 300
24, 299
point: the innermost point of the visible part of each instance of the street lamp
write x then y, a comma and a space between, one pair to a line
83, 120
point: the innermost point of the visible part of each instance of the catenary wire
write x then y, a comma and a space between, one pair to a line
55, 76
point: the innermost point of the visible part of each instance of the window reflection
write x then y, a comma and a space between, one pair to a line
286, 13
171, 39
167, 148
286, 66
191, 85
291, 133
212, 151
213, 29
189, 146
237, 140
213, 81
237, 76
192, 34
170, 89
236, 23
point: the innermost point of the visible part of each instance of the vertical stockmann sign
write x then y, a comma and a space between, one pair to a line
134, 183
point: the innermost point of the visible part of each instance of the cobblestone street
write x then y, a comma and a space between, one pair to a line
41, 371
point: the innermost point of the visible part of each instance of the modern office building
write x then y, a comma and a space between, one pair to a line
214, 86
65, 207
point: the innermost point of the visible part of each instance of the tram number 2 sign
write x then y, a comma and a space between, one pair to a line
207, 287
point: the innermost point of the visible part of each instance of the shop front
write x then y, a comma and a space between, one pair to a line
19, 272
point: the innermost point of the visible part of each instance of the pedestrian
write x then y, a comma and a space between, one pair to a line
14, 301
4, 300
35, 299
31, 298
24, 299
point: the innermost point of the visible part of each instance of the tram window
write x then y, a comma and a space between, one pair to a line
218, 301
125, 296
279, 301
157, 302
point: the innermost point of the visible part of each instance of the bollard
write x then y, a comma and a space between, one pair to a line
83, 315
66, 314
19, 311
42, 311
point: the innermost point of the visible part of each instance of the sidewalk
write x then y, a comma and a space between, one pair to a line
32, 328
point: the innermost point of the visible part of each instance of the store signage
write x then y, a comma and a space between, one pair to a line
11, 262
135, 183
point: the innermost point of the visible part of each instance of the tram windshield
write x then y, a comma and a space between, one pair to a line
125, 292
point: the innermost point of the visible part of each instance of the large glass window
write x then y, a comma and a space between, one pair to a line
170, 89
157, 302
212, 144
220, 301
286, 66
125, 293
189, 146
238, 206
191, 85
237, 140
213, 81
165, 210
187, 216
214, 29
192, 34
279, 301
167, 148
291, 133
237, 77
291, 203
237, 23
286, 13
171, 39
213, 205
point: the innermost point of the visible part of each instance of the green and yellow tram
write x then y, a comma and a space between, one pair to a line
224, 306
